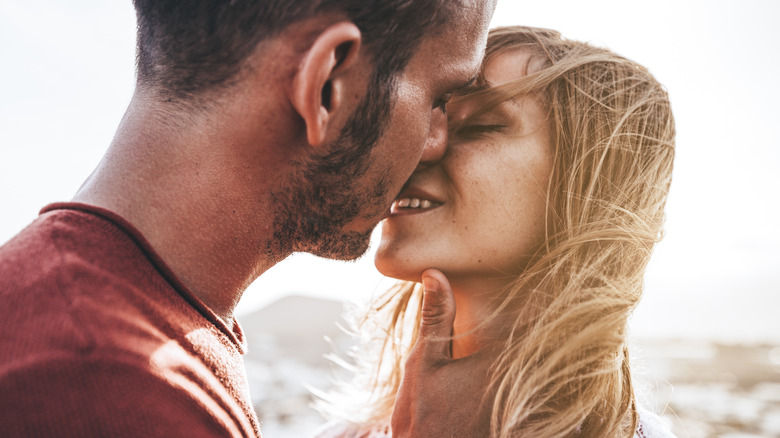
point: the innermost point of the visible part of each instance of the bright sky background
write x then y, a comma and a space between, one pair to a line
67, 76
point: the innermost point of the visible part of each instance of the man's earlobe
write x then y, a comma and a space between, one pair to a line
318, 86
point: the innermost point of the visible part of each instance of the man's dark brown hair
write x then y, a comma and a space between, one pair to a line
187, 47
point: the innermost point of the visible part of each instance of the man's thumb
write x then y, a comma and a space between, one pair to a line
438, 315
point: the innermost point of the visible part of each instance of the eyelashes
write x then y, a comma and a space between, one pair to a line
476, 130
441, 103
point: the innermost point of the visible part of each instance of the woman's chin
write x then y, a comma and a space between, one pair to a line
398, 269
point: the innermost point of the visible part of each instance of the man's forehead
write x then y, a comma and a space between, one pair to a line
452, 57
454, 53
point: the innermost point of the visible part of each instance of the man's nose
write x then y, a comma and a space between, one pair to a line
436, 142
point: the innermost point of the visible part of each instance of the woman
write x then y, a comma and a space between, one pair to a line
542, 214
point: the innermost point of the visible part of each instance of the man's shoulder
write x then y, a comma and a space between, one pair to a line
71, 283
44, 253
89, 320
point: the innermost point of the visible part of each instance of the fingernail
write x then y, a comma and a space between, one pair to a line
430, 283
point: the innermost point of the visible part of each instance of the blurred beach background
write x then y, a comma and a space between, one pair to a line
706, 337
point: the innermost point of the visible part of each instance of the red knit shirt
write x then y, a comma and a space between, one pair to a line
99, 339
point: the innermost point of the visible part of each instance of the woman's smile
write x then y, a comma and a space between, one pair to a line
414, 200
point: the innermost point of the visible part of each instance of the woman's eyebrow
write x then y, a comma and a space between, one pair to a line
473, 86
501, 111
469, 83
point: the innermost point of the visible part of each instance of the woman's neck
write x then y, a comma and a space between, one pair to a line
474, 326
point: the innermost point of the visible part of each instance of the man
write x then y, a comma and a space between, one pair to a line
257, 129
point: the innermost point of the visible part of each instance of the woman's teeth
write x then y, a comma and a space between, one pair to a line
413, 203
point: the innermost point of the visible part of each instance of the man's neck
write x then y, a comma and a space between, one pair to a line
179, 191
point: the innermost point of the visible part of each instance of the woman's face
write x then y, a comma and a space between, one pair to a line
478, 213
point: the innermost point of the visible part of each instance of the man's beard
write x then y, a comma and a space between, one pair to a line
325, 196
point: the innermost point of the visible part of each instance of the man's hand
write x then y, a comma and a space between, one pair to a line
439, 396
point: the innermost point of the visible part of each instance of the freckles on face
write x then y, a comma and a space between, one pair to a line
492, 193
488, 196
499, 200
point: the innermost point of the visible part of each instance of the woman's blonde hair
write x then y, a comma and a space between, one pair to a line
564, 369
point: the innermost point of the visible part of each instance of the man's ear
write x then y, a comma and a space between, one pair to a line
317, 87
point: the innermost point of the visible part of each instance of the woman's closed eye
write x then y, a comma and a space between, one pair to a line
478, 130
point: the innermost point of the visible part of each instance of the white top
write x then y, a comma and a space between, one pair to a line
652, 426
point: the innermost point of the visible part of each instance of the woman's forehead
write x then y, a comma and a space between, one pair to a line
510, 65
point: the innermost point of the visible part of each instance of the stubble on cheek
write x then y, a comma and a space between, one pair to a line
332, 219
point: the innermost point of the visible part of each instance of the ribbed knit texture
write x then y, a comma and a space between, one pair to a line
99, 339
